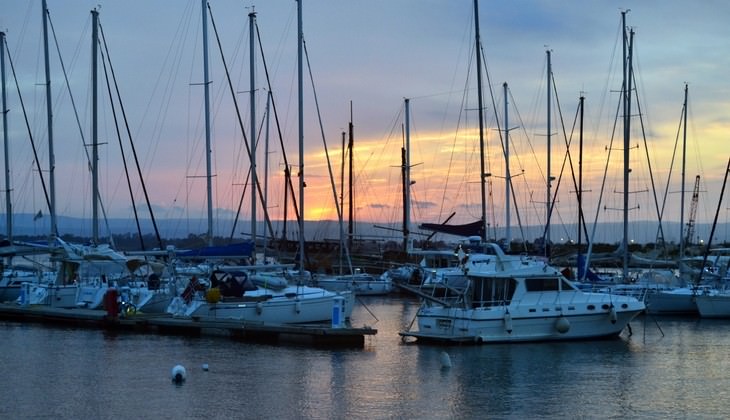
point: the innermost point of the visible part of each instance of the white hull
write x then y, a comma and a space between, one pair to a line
714, 306
672, 302
294, 305
53, 296
541, 322
360, 284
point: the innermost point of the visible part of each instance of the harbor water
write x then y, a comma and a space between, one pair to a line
666, 368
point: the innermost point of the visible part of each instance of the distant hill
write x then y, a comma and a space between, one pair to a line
29, 224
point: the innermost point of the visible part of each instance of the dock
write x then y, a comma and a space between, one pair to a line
318, 335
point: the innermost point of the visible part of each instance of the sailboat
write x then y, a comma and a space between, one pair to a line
245, 293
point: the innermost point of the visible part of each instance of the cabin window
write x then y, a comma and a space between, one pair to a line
492, 291
542, 284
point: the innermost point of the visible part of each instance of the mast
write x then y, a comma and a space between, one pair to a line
8, 204
94, 127
350, 147
252, 94
507, 222
627, 141
684, 161
300, 89
266, 168
549, 177
206, 111
49, 112
482, 168
580, 175
405, 158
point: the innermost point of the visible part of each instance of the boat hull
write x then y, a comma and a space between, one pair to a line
307, 305
672, 302
713, 306
466, 327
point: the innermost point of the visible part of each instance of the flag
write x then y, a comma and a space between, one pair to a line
38, 215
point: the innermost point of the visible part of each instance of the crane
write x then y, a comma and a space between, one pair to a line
692, 212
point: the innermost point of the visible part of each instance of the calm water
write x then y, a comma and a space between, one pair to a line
54, 372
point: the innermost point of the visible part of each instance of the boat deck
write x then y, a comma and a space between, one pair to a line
321, 335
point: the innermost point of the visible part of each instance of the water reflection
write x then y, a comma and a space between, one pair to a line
72, 373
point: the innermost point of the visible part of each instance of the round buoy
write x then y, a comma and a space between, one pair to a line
178, 374
508, 322
562, 325
205, 367
445, 360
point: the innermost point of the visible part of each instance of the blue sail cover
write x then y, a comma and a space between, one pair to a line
590, 275
241, 249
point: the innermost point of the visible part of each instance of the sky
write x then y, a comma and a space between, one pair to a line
366, 58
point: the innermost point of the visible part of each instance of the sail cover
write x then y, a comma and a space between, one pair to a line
469, 229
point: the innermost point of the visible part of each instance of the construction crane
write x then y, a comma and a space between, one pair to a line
692, 212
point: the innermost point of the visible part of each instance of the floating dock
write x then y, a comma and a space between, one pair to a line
320, 335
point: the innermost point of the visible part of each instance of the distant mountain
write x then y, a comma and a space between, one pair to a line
639, 231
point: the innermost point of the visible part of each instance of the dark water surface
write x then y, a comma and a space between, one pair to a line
57, 372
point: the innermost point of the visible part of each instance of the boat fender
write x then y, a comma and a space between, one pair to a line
298, 306
178, 374
613, 316
562, 325
508, 322
259, 308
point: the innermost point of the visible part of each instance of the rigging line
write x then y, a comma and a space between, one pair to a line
245, 187
648, 161
567, 156
671, 165
603, 186
134, 149
98, 192
532, 149
326, 153
30, 134
490, 184
278, 128
714, 223
119, 139
238, 116
502, 142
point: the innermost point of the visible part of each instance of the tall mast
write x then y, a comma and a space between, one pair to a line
94, 126
549, 177
8, 204
580, 175
300, 88
684, 161
252, 80
627, 139
350, 184
49, 112
206, 111
406, 170
507, 180
482, 167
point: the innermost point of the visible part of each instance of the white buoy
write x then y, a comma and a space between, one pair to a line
205, 367
445, 360
178, 374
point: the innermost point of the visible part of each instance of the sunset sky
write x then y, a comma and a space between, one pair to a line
373, 54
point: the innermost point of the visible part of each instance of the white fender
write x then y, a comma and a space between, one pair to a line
508, 322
